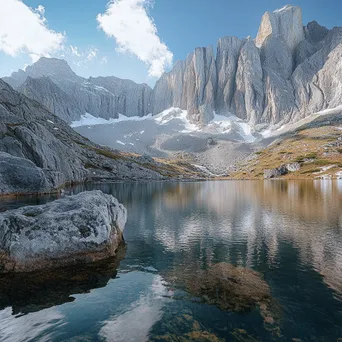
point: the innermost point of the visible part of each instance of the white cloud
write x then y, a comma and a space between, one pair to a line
24, 30
74, 51
135, 32
104, 60
41, 9
92, 53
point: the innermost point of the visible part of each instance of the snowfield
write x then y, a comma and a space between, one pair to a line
219, 125
170, 133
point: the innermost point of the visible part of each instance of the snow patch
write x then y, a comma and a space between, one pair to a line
283, 9
172, 113
219, 125
324, 168
90, 120
120, 142
224, 124
290, 126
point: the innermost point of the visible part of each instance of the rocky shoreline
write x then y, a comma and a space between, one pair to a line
73, 230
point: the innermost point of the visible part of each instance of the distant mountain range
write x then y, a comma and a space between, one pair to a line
51, 82
286, 73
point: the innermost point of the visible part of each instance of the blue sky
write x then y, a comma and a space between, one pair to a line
181, 26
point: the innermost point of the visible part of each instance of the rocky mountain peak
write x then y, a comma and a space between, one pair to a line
50, 67
285, 23
315, 32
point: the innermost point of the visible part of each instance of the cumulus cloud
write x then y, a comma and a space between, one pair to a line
25, 30
128, 22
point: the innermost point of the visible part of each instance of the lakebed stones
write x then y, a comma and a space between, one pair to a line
73, 230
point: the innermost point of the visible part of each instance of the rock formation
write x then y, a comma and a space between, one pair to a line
51, 82
39, 152
191, 85
286, 73
77, 229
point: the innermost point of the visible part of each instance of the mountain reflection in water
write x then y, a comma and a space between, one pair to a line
290, 232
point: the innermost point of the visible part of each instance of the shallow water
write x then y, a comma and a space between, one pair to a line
288, 231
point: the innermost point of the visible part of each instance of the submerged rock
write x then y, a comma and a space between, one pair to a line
228, 287
78, 229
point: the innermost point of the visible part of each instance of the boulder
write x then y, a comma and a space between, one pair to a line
293, 167
281, 170
276, 172
73, 230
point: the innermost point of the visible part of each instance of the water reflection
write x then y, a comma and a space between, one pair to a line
39, 290
288, 231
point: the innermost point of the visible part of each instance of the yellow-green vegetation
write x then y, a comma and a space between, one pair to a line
317, 150
166, 167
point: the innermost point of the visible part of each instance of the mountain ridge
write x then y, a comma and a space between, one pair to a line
286, 73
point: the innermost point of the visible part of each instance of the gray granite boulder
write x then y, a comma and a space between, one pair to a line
77, 229
281, 170
276, 172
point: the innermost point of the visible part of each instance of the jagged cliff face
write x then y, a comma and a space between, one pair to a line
51, 82
191, 85
39, 152
286, 73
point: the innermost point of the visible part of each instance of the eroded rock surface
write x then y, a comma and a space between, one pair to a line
51, 82
77, 229
287, 73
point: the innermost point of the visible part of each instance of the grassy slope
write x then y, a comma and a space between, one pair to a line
314, 148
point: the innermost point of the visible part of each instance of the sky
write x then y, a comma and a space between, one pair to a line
132, 39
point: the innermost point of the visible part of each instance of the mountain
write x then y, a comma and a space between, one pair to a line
288, 72
51, 82
40, 153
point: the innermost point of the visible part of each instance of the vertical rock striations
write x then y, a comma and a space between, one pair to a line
286, 73
131, 99
249, 94
190, 85
228, 51
51, 82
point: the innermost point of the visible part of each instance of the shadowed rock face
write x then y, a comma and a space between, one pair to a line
191, 85
51, 82
34, 291
46, 153
78, 229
